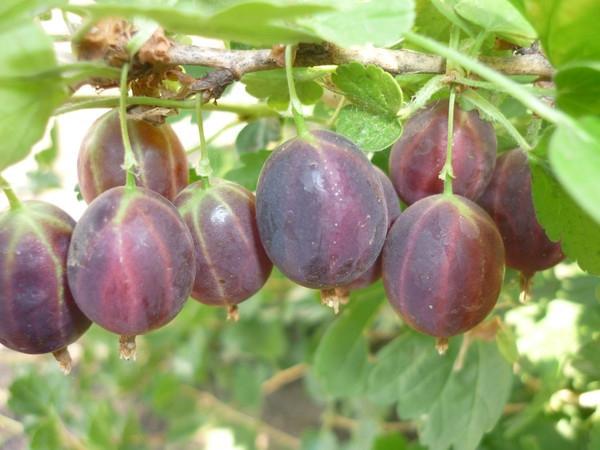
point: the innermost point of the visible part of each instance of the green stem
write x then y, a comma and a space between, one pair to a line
13, 201
294, 101
129, 162
90, 102
447, 173
489, 109
423, 95
516, 90
336, 113
493, 87
211, 139
204, 169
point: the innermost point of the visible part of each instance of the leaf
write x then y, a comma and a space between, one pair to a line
578, 89
340, 362
357, 22
575, 159
507, 343
249, 170
264, 22
392, 441
25, 103
258, 135
497, 16
409, 371
564, 220
369, 87
565, 28
272, 85
259, 339
323, 440
30, 395
471, 402
457, 407
13, 11
371, 132
45, 435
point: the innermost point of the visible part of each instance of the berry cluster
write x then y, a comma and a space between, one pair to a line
323, 215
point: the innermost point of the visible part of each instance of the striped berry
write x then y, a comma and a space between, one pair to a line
419, 155
231, 264
443, 265
131, 263
162, 163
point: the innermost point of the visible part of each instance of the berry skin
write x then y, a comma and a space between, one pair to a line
131, 262
37, 311
443, 265
231, 263
321, 211
162, 163
509, 202
419, 155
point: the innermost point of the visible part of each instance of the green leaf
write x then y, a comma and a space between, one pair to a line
392, 441
45, 435
575, 159
25, 103
587, 359
409, 371
430, 22
371, 132
252, 337
13, 11
357, 22
272, 85
369, 87
566, 28
507, 343
564, 220
497, 16
30, 395
323, 440
250, 167
457, 406
578, 89
264, 22
471, 402
340, 362
258, 135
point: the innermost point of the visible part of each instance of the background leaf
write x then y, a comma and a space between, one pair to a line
575, 159
564, 27
25, 103
358, 22
578, 89
340, 362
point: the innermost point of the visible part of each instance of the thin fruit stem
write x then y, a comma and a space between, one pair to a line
204, 169
294, 101
336, 113
211, 139
129, 162
13, 200
447, 173
109, 101
504, 83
